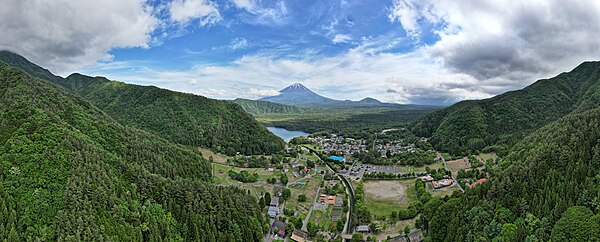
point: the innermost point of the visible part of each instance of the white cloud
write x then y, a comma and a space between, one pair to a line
341, 38
509, 41
258, 93
184, 11
364, 71
249, 5
261, 14
66, 35
239, 43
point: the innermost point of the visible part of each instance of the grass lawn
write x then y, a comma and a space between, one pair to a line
383, 197
312, 146
446, 191
217, 158
221, 175
487, 156
394, 229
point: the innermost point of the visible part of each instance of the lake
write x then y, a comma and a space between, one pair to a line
285, 134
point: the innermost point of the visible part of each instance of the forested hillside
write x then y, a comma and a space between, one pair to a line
182, 118
69, 172
548, 188
263, 107
503, 120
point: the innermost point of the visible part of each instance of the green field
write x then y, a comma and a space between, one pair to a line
446, 191
321, 218
310, 190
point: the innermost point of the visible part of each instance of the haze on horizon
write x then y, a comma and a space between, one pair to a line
403, 51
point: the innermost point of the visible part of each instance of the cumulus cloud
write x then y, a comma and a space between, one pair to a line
364, 71
511, 41
341, 38
72, 34
184, 11
258, 93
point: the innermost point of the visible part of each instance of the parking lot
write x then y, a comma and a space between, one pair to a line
358, 170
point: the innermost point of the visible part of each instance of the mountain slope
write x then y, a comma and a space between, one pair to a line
505, 119
298, 94
70, 172
264, 107
182, 118
546, 178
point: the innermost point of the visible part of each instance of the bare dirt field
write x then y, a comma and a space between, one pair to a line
217, 158
386, 190
455, 165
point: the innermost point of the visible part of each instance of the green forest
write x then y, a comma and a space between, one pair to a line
262, 107
546, 189
500, 122
70, 172
182, 118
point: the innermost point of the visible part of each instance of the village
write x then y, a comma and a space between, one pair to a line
311, 193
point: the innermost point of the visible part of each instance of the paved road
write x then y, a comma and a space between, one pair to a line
446, 167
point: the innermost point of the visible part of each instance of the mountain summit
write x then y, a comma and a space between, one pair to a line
299, 95
296, 87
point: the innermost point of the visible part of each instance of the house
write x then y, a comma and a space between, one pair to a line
274, 207
441, 183
399, 238
416, 235
363, 229
329, 176
331, 184
273, 211
274, 201
482, 180
299, 235
278, 228
427, 178
327, 199
338, 202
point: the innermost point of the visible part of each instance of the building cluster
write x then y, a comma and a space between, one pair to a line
436, 184
340, 145
390, 149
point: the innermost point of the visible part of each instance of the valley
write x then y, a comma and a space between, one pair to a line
300, 121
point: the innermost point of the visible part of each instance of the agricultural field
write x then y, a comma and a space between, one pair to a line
321, 218
217, 158
309, 189
383, 197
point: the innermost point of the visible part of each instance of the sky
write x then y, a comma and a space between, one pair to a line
401, 51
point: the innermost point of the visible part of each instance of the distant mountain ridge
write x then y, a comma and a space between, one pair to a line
264, 107
179, 117
501, 121
299, 95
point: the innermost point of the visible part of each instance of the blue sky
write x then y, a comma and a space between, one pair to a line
404, 51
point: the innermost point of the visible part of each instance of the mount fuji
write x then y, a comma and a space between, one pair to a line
299, 95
